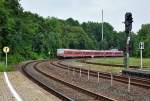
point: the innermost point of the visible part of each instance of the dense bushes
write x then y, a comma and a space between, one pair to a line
31, 36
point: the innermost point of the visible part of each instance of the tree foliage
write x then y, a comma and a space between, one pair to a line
31, 36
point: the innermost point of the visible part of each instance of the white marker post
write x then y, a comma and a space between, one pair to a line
129, 84
111, 79
98, 77
80, 72
141, 46
68, 68
6, 50
73, 71
49, 53
88, 74
141, 60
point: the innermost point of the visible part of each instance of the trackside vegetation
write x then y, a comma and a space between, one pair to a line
132, 61
3, 67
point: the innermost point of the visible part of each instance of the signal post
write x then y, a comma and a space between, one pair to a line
141, 47
128, 28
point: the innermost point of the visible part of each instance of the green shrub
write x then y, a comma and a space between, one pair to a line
3, 67
35, 56
14, 59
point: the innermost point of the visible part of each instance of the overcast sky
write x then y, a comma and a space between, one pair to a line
90, 10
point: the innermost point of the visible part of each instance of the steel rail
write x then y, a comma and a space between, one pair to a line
44, 86
134, 81
90, 93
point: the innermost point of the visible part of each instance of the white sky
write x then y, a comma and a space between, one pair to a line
90, 10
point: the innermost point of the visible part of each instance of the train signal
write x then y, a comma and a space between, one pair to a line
128, 28
128, 22
141, 45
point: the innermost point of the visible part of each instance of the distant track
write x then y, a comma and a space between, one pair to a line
145, 83
113, 65
44, 79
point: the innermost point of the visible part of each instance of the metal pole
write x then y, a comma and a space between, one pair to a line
102, 25
6, 61
127, 59
102, 31
141, 60
127, 53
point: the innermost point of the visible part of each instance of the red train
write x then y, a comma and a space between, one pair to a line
74, 53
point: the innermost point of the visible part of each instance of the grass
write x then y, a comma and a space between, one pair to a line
2, 67
100, 68
132, 61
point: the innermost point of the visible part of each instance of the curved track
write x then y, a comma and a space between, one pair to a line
145, 83
63, 89
32, 74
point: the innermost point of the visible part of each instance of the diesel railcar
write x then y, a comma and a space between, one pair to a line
75, 53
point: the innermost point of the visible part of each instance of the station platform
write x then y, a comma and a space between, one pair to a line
27, 90
137, 73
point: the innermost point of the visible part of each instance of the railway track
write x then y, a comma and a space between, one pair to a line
30, 74
145, 83
113, 65
62, 89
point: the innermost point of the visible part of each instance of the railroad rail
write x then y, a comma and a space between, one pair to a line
105, 64
43, 85
141, 82
43, 78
